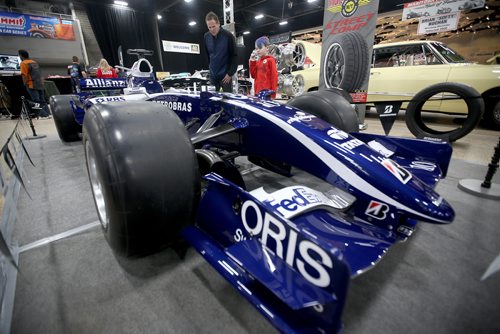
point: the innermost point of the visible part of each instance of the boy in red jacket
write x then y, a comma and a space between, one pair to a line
263, 67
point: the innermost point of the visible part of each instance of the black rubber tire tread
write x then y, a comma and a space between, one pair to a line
148, 173
331, 105
356, 61
491, 118
67, 127
472, 98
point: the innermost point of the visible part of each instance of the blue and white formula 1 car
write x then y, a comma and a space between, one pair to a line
162, 170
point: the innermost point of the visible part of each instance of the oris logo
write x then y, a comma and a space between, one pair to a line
109, 99
311, 261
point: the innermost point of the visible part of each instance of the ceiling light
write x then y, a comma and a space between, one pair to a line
159, 16
311, 0
283, 23
187, 0
258, 17
246, 32
121, 3
192, 23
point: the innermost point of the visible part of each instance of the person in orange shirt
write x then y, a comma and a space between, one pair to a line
32, 79
105, 71
263, 67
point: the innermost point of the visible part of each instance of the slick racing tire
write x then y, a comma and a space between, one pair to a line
347, 62
472, 98
64, 118
331, 105
143, 173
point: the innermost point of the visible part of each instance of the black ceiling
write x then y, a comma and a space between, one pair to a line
300, 14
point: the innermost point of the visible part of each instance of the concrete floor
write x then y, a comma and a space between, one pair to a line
77, 285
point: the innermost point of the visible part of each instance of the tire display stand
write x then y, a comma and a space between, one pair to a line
25, 113
484, 189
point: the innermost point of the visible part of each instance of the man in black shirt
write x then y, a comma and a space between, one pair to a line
76, 71
220, 46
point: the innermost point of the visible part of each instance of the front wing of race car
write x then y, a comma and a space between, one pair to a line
295, 270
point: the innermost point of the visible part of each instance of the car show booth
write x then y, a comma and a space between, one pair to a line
163, 205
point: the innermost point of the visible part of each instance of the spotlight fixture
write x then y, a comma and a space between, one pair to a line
283, 23
121, 3
159, 16
246, 32
259, 16
187, 1
192, 23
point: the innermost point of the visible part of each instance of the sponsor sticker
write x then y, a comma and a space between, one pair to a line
399, 172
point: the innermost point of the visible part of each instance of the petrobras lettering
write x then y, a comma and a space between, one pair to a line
103, 83
309, 259
177, 106
300, 117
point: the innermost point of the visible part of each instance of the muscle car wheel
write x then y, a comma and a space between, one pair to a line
471, 97
492, 114
143, 173
331, 105
347, 62
64, 119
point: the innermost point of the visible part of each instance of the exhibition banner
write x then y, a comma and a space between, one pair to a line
438, 7
285, 37
17, 24
348, 35
172, 46
439, 23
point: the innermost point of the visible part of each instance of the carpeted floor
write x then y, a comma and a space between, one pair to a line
429, 284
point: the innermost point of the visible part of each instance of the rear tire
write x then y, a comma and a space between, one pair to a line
64, 118
143, 173
331, 105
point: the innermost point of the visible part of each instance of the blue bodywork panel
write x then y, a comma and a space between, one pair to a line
292, 252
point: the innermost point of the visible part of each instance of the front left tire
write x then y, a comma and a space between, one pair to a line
143, 173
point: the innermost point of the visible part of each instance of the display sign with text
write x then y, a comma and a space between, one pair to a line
426, 8
172, 46
348, 35
438, 23
17, 24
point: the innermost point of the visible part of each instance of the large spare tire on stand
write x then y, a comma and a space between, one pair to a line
143, 172
472, 98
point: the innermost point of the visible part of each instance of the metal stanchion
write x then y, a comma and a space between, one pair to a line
25, 112
485, 189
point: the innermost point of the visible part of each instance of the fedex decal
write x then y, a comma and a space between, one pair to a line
309, 259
